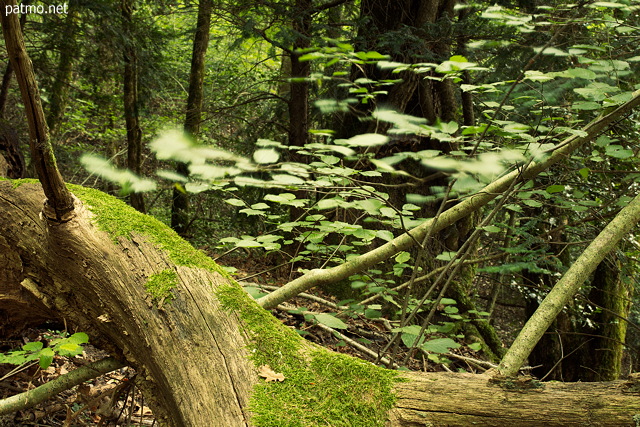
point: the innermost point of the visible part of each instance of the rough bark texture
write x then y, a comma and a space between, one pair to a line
192, 355
449, 399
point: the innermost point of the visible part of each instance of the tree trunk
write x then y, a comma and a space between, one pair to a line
449, 399
180, 201
196, 339
136, 302
606, 348
64, 74
130, 77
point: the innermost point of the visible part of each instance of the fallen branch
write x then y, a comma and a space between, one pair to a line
31, 398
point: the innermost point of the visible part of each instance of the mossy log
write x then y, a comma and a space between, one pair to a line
197, 340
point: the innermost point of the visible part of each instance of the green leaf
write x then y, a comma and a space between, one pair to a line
491, 229
46, 357
330, 321
446, 256
403, 257
618, 152
69, 349
79, 338
365, 140
32, 346
388, 212
555, 189
584, 173
532, 203
385, 235
476, 346
440, 345
266, 155
235, 202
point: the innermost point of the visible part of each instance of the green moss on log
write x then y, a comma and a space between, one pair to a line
321, 388
161, 284
120, 220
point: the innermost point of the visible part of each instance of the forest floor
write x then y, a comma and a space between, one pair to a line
112, 400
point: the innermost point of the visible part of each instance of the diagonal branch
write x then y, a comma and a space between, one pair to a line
59, 204
567, 287
318, 277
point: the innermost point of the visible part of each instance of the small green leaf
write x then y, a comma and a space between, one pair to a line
79, 338
330, 321
266, 155
403, 257
476, 346
365, 140
235, 202
440, 345
446, 256
385, 235
532, 203
32, 346
555, 189
584, 173
46, 357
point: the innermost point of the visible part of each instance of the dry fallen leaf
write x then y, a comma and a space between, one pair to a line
269, 375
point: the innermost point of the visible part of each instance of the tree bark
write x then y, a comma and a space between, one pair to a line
610, 293
195, 355
449, 399
99, 287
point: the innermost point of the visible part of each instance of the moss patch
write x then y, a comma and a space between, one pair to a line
160, 285
321, 388
119, 220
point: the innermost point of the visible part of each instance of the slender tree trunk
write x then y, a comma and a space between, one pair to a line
8, 73
59, 204
180, 201
64, 74
299, 91
130, 77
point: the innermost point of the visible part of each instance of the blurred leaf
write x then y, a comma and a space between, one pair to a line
440, 345
330, 321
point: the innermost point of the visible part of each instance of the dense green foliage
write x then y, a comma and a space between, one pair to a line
405, 115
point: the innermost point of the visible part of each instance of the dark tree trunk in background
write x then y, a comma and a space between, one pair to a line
63, 77
386, 23
180, 201
59, 205
10, 151
8, 73
299, 87
134, 133
603, 352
